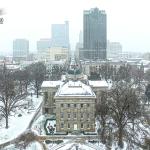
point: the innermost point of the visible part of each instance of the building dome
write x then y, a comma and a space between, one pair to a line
74, 71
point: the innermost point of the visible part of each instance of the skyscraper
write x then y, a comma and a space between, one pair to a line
94, 34
60, 35
20, 49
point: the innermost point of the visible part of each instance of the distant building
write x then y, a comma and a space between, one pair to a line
60, 35
79, 45
54, 54
20, 49
114, 50
43, 45
94, 35
58, 53
81, 37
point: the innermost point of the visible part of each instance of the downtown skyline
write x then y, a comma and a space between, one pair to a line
127, 21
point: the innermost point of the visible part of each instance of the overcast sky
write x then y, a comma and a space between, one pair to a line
128, 21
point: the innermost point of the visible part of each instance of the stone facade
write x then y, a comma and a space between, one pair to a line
49, 88
75, 107
75, 114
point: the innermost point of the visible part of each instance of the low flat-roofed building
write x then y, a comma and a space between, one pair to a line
49, 88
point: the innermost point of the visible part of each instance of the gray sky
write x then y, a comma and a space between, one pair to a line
128, 21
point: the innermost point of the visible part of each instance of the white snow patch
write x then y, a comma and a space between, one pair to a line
75, 89
46, 84
18, 125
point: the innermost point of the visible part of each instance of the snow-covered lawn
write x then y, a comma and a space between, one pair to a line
18, 125
73, 145
33, 146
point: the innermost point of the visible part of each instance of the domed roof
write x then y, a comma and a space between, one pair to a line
74, 71
76, 89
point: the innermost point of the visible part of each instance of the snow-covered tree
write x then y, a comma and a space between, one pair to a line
10, 97
56, 72
37, 74
102, 112
22, 77
124, 107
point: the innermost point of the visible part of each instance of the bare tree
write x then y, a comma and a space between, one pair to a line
124, 107
9, 95
23, 77
37, 73
147, 75
26, 78
123, 73
138, 77
102, 110
56, 72
105, 71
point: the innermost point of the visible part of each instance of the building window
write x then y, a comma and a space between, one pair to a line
88, 126
62, 105
81, 105
62, 125
69, 116
88, 105
68, 105
62, 115
68, 125
46, 96
75, 105
81, 115
75, 115
81, 125
46, 110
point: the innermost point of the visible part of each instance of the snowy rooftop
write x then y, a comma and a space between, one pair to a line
51, 83
13, 67
75, 88
99, 83
144, 62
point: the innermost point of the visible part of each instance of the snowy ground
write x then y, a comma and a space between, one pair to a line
33, 146
74, 144
17, 125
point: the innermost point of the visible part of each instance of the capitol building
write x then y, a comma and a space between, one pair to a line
72, 100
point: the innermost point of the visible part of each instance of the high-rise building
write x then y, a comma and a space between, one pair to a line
94, 34
60, 35
20, 49
79, 45
81, 37
43, 45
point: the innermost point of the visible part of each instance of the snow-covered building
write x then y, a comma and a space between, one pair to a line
72, 100
75, 107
